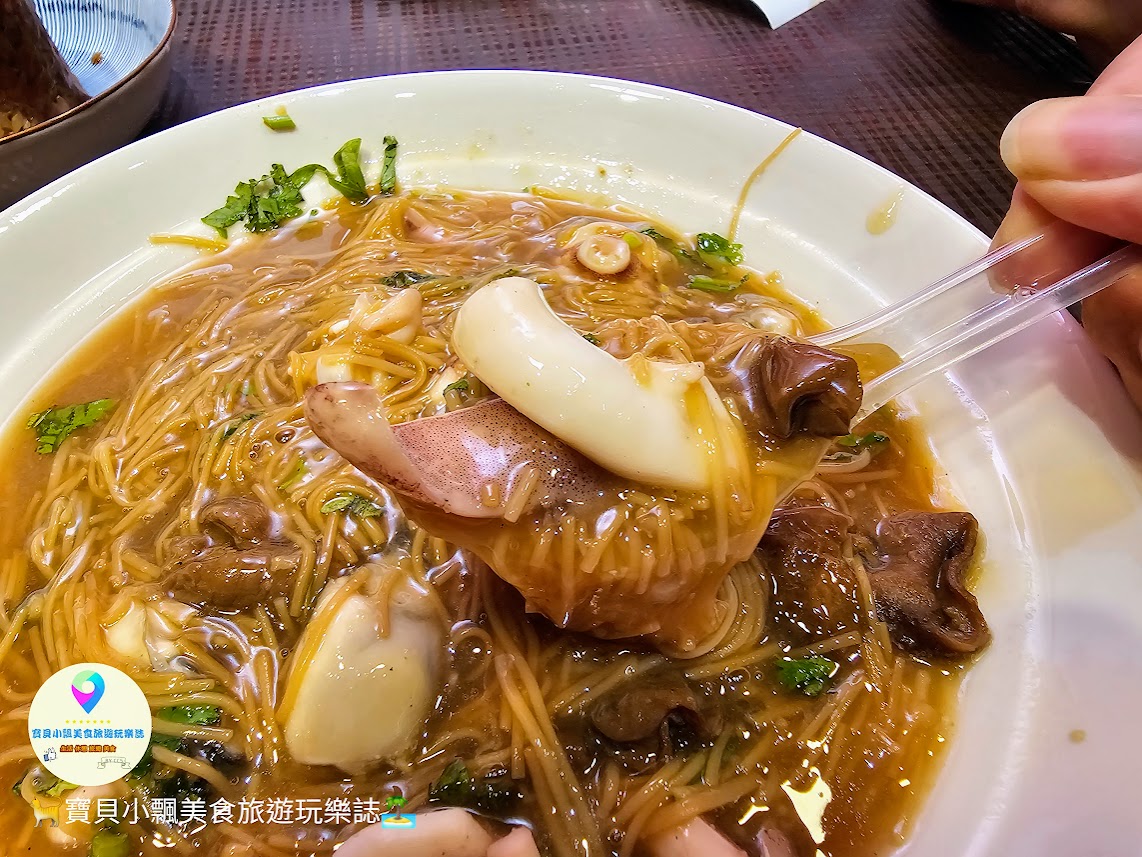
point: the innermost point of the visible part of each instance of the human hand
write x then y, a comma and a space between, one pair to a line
1103, 28
1079, 160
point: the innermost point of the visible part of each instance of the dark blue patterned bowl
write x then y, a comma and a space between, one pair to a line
120, 52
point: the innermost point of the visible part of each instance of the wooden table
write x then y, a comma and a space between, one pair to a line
923, 87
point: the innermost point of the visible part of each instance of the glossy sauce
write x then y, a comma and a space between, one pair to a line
853, 800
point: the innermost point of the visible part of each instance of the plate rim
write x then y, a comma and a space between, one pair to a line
315, 89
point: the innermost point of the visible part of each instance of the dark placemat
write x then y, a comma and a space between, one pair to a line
923, 87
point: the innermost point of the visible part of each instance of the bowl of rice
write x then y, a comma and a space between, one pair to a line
89, 78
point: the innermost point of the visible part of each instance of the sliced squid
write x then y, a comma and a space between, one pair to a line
127, 635
365, 673
519, 843
442, 833
696, 839
603, 253
144, 634
615, 495
490, 480
399, 317
464, 463
633, 417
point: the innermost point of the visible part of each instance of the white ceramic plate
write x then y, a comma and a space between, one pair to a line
1036, 434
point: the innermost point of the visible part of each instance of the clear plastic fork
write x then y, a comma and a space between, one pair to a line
965, 312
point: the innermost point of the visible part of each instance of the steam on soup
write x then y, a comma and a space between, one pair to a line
526, 515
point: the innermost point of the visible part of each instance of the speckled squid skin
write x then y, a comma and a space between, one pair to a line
666, 593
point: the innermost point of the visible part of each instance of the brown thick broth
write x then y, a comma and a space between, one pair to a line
875, 780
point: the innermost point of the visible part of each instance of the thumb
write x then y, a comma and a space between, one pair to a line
1081, 160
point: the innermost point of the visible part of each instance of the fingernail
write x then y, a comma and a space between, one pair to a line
1091, 137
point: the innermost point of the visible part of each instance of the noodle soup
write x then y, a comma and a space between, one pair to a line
598, 663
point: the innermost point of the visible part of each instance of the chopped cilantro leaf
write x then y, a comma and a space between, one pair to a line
281, 201
389, 167
109, 841
233, 211
350, 180
58, 788
237, 423
44, 782
805, 675
147, 762
193, 715
170, 742
669, 244
404, 279
874, 442
712, 284
453, 780
337, 504
456, 787
196, 715
52, 786
263, 204
55, 425
266, 203
182, 787
294, 476
354, 504
717, 251
464, 391
301, 176
279, 122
